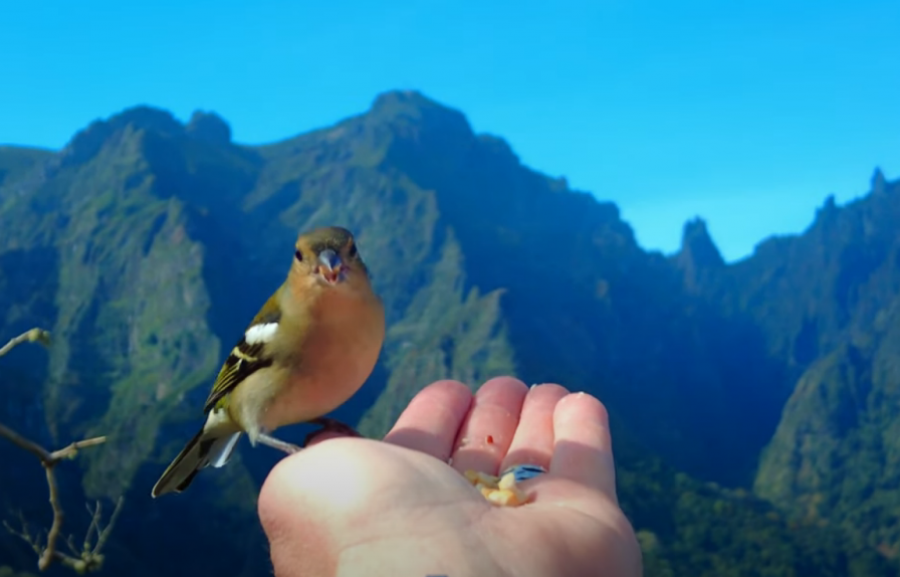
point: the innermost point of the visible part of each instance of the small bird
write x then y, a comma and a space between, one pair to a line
308, 350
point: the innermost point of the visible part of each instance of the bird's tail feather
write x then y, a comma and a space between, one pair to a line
205, 449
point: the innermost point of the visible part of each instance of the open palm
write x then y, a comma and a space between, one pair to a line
358, 507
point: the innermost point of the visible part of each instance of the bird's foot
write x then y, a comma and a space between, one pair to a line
330, 426
270, 441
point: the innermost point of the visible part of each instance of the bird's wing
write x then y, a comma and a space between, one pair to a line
249, 355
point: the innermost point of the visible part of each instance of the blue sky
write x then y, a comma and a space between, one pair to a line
746, 113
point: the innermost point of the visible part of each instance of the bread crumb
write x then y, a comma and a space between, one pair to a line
501, 492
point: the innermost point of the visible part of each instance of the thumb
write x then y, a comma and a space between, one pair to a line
312, 499
301, 539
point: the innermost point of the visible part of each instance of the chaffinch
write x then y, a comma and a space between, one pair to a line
308, 350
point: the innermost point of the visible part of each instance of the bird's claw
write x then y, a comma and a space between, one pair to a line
330, 426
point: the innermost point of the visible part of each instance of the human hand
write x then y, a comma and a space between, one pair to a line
353, 507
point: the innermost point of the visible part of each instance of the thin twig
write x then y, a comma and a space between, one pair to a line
94, 526
70, 543
72, 450
104, 534
35, 335
47, 458
23, 443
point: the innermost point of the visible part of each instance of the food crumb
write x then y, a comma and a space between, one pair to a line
508, 482
502, 492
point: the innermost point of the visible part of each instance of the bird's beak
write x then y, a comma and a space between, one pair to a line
330, 266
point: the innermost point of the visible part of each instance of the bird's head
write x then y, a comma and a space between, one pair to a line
329, 255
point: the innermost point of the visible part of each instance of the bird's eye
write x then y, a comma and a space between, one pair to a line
352, 252
299, 256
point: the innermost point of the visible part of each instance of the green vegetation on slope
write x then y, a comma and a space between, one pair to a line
687, 528
446, 333
836, 455
827, 303
16, 162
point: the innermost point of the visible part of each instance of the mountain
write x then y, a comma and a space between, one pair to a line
836, 453
145, 245
828, 303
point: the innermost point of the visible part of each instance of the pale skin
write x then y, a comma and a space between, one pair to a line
348, 507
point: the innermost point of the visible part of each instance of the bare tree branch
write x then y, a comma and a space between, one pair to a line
70, 543
35, 335
24, 443
71, 451
93, 527
103, 535
49, 551
90, 558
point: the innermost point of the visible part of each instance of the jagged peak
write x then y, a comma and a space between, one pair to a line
413, 97
694, 230
413, 106
828, 210
209, 127
145, 117
393, 100
697, 245
879, 182
86, 143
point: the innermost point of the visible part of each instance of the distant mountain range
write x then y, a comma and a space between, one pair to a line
755, 406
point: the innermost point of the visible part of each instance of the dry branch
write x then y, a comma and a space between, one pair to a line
33, 336
90, 558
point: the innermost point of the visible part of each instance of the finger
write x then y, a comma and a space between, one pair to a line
432, 419
292, 518
583, 451
490, 425
533, 441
